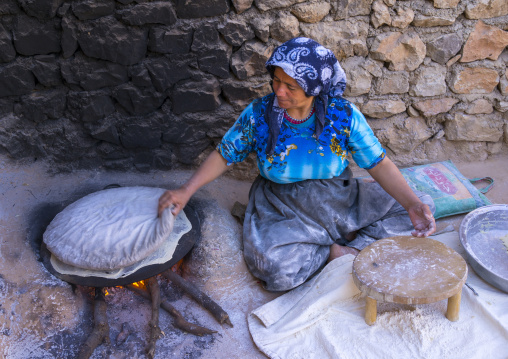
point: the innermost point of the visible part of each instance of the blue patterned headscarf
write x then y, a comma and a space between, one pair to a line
317, 71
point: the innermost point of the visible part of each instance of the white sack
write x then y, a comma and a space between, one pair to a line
109, 229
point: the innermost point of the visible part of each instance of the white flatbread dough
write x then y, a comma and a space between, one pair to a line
109, 229
162, 255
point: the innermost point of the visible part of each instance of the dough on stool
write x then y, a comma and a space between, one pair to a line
109, 229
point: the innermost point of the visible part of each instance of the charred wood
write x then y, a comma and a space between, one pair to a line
100, 332
155, 331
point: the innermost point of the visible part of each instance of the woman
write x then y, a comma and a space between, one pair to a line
305, 208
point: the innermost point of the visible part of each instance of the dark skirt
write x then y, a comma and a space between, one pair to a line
289, 228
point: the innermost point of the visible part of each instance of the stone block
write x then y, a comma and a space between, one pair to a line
192, 9
215, 62
433, 20
205, 38
196, 96
486, 9
41, 9
166, 71
429, 108
446, 4
261, 26
380, 14
107, 132
383, 108
138, 101
9, 7
359, 79
311, 12
479, 106
7, 51
242, 5
351, 8
141, 133
170, 40
47, 70
444, 48
474, 80
404, 17
139, 76
16, 79
474, 128
182, 131
266, 5
285, 27
485, 42
393, 83
406, 136
503, 86
429, 81
108, 39
93, 74
93, 9
89, 106
236, 32
403, 51
69, 36
501, 106
250, 59
240, 96
43, 105
157, 12
35, 37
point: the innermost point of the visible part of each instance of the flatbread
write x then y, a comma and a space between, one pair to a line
109, 229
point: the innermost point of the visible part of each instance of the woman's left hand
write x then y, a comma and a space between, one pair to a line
422, 219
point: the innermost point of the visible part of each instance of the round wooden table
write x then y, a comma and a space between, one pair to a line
409, 270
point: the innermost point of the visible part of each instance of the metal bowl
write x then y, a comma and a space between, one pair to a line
482, 232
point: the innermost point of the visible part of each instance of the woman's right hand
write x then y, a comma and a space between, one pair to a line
175, 199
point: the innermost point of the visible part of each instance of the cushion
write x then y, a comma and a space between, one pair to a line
109, 229
451, 191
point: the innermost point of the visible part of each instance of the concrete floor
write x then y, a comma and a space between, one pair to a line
43, 317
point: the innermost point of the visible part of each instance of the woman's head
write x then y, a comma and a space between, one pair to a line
289, 93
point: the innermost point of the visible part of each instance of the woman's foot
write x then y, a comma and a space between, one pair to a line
337, 251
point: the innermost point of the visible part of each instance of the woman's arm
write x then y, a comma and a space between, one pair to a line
392, 181
213, 167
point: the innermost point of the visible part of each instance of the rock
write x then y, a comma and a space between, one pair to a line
501, 106
16, 79
216, 62
474, 128
446, 4
89, 106
108, 39
261, 26
139, 76
404, 52
480, 106
474, 80
166, 71
41, 9
265, 5
9, 7
375, 68
503, 86
429, 81
106, 132
359, 79
311, 12
406, 136
196, 96
7, 51
141, 133
285, 28
242, 5
47, 70
149, 13
138, 101
486, 9
69, 36
453, 60
434, 107
169, 40
411, 111
383, 108
33, 37
390, 3
89, 10
43, 105
351, 8
393, 83
236, 32
433, 20
380, 14
403, 18
485, 42
250, 59
239, 95
205, 38
444, 48
193, 9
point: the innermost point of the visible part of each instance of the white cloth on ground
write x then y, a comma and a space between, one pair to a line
109, 229
324, 318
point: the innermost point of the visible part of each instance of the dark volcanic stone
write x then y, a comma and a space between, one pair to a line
88, 10
196, 96
43, 105
142, 133
149, 13
15, 79
166, 71
69, 36
7, 52
138, 101
47, 70
90, 107
42, 9
215, 62
191, 9
206, 37
170, 41
236, 32
34, 37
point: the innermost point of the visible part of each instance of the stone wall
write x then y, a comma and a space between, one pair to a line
140, 85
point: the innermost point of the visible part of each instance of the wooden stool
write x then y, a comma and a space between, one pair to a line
409, 270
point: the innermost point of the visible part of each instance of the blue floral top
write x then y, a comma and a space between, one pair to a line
298, 154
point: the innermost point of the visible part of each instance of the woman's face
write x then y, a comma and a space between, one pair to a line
289, 94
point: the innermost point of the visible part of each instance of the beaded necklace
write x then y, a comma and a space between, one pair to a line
294, 120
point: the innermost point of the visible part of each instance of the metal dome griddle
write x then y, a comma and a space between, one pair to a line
184, 246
